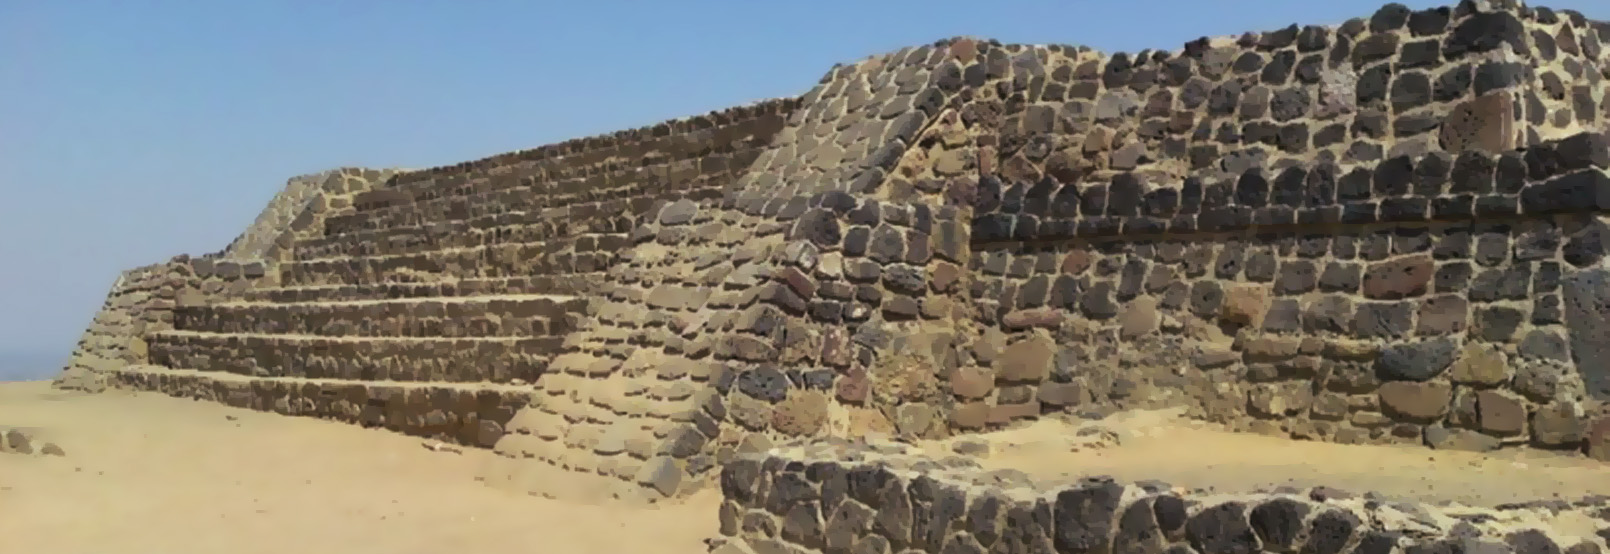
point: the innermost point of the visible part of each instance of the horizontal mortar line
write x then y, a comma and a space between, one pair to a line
466, 299
338, 338
560, 164
449, 226
446, 228
441, 277
453, 249
749, 142
452, 282
344, 242
432, 246
323, 296
476, 185
235, 377
438, 227
633, 184
1319, 228
629, 188
504, 205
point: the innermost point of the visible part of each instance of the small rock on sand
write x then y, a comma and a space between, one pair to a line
18, 441
971, 447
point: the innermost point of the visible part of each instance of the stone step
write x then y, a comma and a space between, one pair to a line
587, 191
447, 317
596, 210
493, 359
640, 423
564, 285
435, 234
473, 414
477, 262
488, 230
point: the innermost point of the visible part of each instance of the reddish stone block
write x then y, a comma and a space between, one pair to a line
1007, 413
1025, 319
1598, 446
853, 386
972, 383
973, 415
945, 276
1076, 261
1400, 278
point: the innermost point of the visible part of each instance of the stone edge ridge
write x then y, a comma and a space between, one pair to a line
577, 145
1563, 176
829, 497
297, 196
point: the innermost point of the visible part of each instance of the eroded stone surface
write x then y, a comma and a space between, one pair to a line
1329, 233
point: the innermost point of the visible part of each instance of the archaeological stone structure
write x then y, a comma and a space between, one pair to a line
1395, 230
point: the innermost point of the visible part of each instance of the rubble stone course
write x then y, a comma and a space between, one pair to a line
838, 497
1390, 230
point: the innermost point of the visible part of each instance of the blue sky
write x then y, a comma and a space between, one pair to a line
134, 131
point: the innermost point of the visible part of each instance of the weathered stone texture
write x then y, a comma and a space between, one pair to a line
838, 498
1381, 232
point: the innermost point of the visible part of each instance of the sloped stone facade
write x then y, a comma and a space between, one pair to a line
1390, 230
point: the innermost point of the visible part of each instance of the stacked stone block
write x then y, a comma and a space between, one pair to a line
1129, 229
867, 499
1569, 65
299, 208
113, 337
1386, 230
562, 212
698, 345
450, 314
465, 413
1370, 323
140, 305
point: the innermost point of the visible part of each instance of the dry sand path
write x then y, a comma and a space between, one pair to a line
1158, 445
145, 473
149, 473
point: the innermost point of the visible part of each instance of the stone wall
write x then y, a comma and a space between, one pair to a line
1367, 303
1386, 230
863, 297
468, 414
459, 282
299, 209
141, 304
698, 344
1230, 227
113, 337
872, 499
561, 212
143, 300
1569, 63
254, 242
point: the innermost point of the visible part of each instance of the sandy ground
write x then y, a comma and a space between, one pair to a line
1159, 445
145, 473
148, 473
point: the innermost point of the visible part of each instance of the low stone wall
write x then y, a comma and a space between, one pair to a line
143, 299
113, 337
1317, 302
141, 303
839, 497
470, 414
463, 360
471, 317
